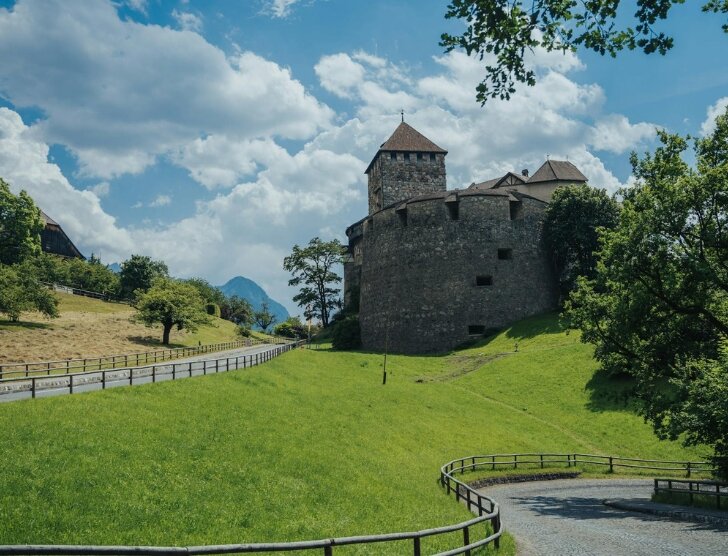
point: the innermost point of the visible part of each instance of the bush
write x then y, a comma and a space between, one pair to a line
244, 331
212, 309
346, 334
291, 328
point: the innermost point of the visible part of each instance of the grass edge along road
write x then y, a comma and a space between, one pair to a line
311, 445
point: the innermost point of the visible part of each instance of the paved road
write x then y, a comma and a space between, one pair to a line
567, 517
88, 382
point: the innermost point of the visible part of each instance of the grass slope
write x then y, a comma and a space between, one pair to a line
310, 445
91, 327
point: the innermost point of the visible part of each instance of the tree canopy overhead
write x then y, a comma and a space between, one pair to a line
657, 308
20, 226
503, 32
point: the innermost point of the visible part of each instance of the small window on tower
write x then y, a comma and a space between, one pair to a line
393, 156
505, 254
432, 157
419, 157
484, 280
406, 156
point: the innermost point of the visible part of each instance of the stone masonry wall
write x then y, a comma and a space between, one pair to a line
394, 180
418, 272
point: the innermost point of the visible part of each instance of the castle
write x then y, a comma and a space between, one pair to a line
430, 268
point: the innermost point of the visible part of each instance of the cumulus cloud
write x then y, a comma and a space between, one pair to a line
280, 8
187, 20
161, 201
614, 133
118, 93
101, 189
714, 111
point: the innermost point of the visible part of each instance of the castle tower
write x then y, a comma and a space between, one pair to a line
407, 164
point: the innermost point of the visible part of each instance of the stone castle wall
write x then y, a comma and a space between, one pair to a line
442, 268
393, 180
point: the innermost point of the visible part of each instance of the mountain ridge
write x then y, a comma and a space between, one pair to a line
248, 289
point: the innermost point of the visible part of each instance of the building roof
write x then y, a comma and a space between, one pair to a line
407, 139
47, 219
557, 170
54, 239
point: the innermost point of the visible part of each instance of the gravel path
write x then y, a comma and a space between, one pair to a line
566, 517
55, 385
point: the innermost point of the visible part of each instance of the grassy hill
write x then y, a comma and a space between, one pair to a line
90, 327
309, 445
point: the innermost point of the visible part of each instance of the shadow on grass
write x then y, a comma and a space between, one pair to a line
10, 325
611, 392
545, 323
153, 343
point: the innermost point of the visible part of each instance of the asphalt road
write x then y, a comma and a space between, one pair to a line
89, 382
567, 517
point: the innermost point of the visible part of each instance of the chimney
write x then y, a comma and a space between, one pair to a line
524, 172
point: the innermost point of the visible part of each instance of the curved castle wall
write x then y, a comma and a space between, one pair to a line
440, 268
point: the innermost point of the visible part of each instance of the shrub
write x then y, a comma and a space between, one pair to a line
212, 309
346, 334
244, 331
290, 328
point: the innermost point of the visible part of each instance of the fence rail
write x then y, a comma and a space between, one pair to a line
487, 509
542, 460
24, 370
691, 488
84, 381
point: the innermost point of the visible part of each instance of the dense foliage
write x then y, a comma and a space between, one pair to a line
21, 291
263, 317
657, 308
505, 32
312, 270
292, 327
138, 273
171, 303
20, 226
570, 230
89, 275
346, 333
237, 310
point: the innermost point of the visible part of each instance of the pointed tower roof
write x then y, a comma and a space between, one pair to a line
557, 170
407, 139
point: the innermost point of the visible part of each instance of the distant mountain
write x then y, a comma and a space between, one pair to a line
247, 289
114, 267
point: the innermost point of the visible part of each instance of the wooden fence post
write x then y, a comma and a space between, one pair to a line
416, 548
466, 537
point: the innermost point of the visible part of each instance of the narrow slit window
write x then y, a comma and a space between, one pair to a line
393, 156
516, 210
406, 156
419, 157
474, 329
505, 254
453, 210
484, 280
432, 157
402, 217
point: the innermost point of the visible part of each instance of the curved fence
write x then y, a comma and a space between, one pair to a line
39, 368
72, 383
488, 517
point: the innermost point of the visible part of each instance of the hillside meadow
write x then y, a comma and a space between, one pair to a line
309, 445
90, 328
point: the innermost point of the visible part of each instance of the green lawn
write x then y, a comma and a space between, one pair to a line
310, 445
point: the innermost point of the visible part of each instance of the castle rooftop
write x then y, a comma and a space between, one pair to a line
557, 170
407, 139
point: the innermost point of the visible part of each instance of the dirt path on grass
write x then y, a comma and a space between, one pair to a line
567, 517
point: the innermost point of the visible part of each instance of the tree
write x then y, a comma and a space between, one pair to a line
311, 267
138, 273
208, 292
263, 317
503, 32
237, 310
292, 327
171, 303
573, 219
20, 226
657, 308
20, 291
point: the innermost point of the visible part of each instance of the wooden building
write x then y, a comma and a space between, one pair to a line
54, 240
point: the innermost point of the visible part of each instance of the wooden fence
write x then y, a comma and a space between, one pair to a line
488, 514
692, 488
72, 383
14, 370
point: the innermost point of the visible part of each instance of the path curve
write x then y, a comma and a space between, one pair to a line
567, 517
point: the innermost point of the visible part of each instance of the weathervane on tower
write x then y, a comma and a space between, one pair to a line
402, 112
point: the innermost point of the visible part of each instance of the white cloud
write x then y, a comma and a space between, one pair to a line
101, 189
614, 133
339, 74
138, 5
161, 201
280, 8
118, 93
714, 111
187, 20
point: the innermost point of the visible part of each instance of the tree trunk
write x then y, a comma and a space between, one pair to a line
165, 334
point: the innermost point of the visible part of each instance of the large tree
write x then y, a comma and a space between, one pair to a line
658, 306
138, 273
171, 303
570, 230
237, 310
20, 226
263, 317
503, 32
21, 291
312, 270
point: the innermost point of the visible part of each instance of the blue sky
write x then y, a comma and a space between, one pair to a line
215, 135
